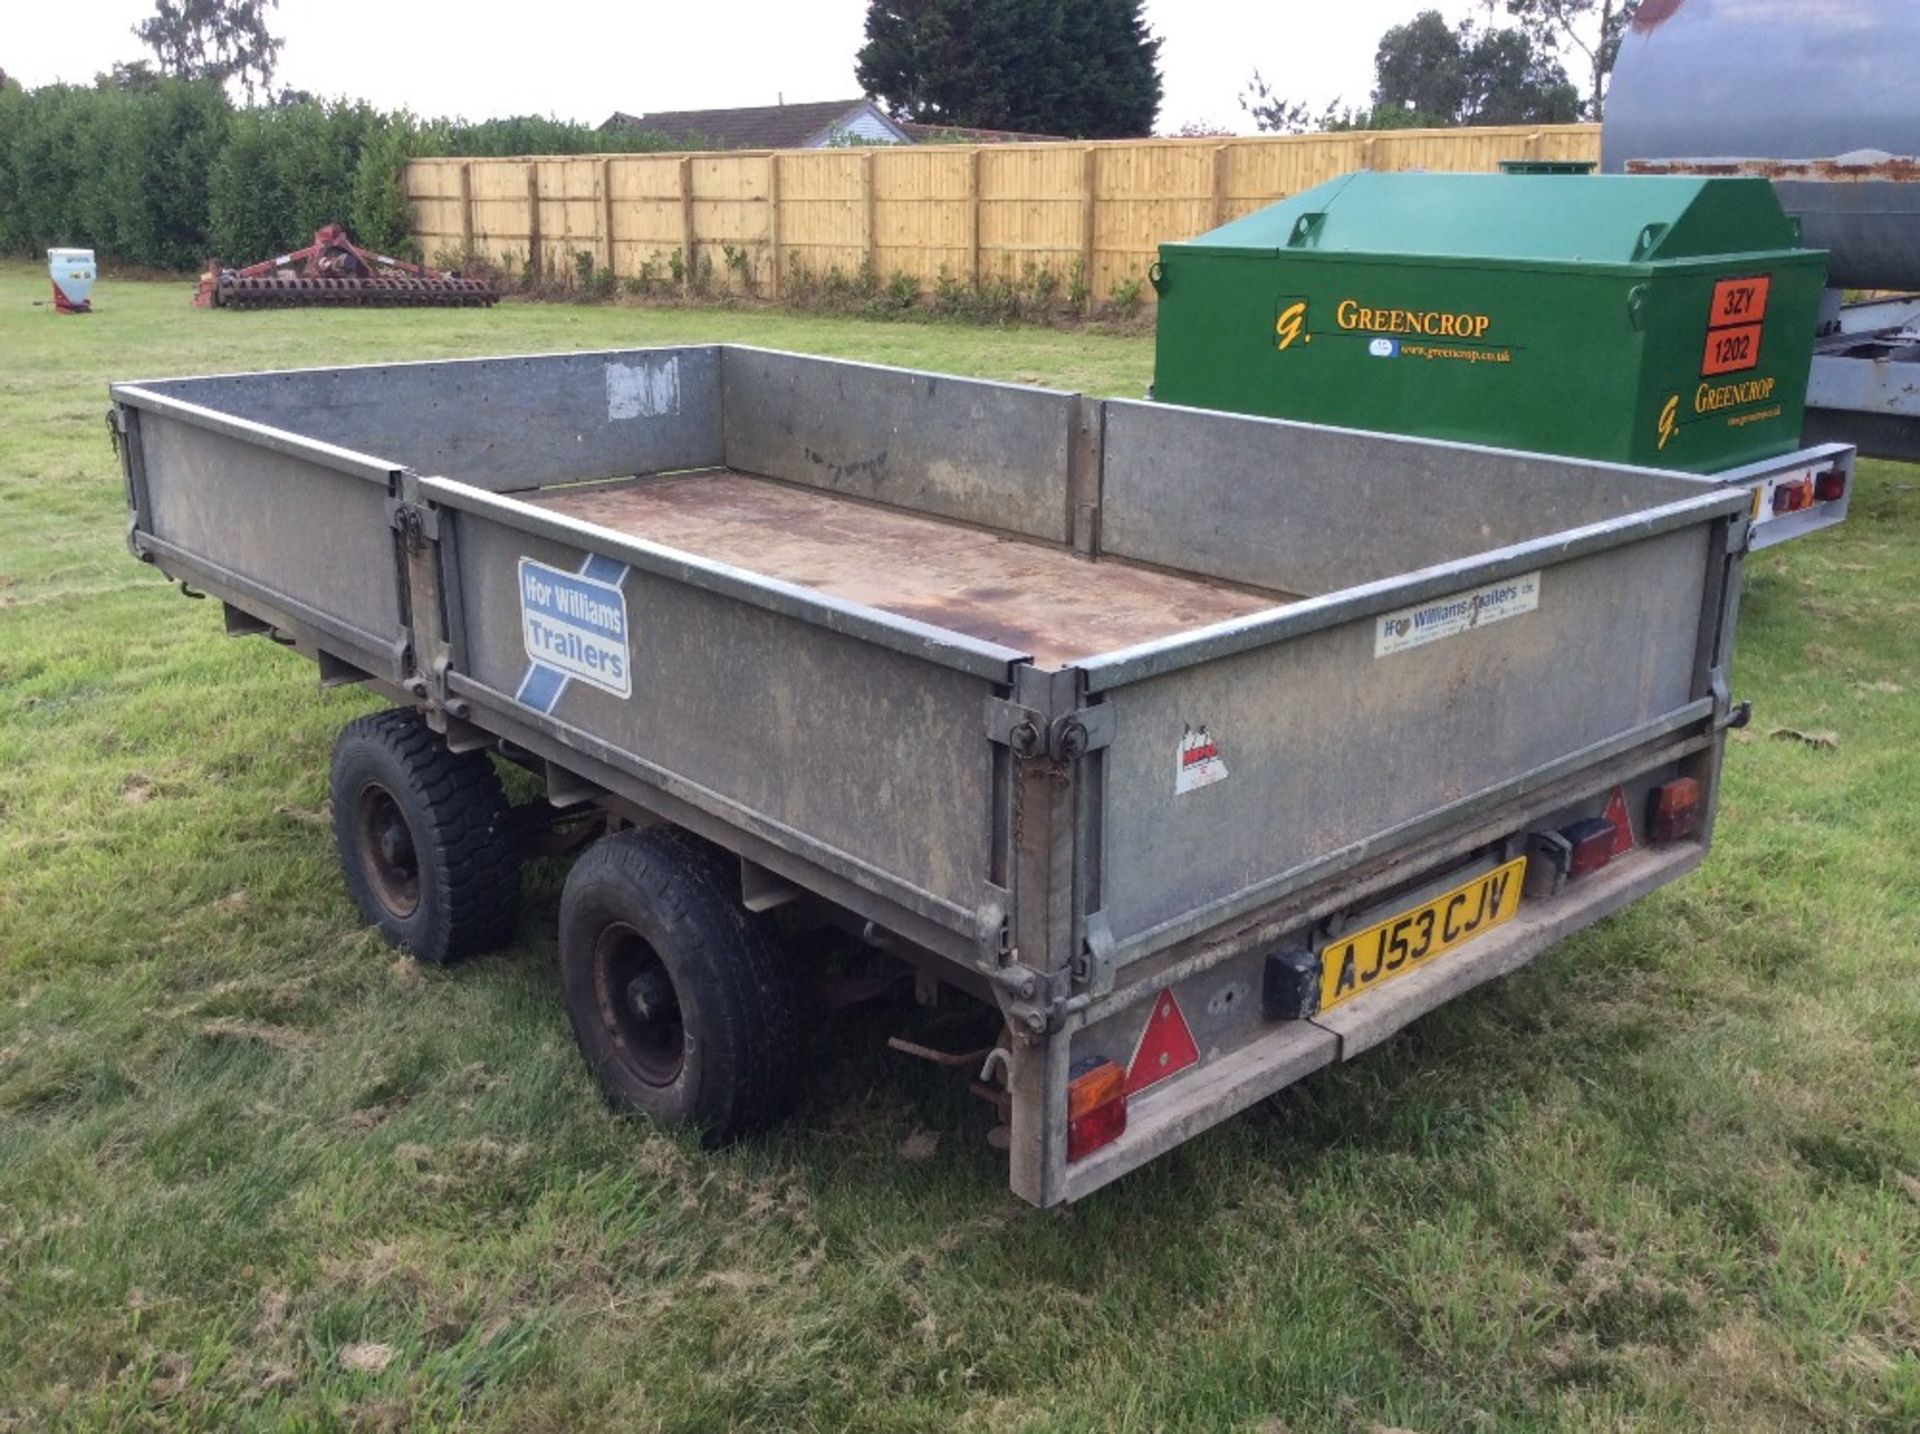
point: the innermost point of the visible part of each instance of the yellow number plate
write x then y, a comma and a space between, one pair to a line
1365, 960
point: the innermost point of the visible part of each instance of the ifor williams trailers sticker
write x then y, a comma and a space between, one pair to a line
574, 628
1457, 612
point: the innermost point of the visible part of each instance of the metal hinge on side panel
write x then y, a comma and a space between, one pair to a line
416, 523
1093, 967
1035, 1001
995, 942
1066, 738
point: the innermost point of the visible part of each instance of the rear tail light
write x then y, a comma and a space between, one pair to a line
1592, 841
1673, 809
1096, 1108
1830, 485
1793, 495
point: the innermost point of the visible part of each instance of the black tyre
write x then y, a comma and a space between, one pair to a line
424, 838
678, 995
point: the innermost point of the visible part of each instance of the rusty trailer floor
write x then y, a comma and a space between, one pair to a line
1046, 601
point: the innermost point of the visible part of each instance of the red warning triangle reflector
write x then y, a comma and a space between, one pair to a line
1621, 820
1166, 1046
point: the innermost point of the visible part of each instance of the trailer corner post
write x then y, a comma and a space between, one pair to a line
422, 535
123, 423
1054, 740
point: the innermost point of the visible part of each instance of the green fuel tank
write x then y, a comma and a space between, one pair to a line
1654, 320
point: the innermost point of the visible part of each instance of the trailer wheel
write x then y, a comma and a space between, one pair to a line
679, 999
424, 838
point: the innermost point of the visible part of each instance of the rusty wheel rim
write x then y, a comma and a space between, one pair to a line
388, 856
639, 1006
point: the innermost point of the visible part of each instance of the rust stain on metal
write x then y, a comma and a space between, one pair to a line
1881, 169
1048, 601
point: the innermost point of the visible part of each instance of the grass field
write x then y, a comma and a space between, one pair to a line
256, 1171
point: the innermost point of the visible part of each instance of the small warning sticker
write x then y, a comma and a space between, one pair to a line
1457, 612
1199, 764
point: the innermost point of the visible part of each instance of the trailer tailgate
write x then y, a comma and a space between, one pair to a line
1251, 757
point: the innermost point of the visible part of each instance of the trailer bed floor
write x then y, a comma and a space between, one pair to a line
1043, 600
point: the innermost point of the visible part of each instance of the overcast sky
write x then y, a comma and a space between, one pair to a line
582, 60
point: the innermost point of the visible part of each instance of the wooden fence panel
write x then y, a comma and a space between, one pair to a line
985, 212
922, 210
646, 212
1031, 202
570, 211
822, 211
1144, 194
501, 225
730, 213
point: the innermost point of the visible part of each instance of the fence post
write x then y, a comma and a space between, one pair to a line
866, 200
773, 218
1219, 185
466, 211
1089, 204
606, 207
686, 222
534, 262
973, 216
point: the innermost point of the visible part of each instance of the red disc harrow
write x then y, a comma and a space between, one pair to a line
335, 271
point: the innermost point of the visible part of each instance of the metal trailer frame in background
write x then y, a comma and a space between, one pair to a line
1010, 825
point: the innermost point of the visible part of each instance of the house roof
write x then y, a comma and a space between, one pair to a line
754, 126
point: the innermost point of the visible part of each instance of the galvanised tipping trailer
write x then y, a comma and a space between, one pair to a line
1208, 749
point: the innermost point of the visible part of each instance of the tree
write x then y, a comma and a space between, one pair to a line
1421, 66
1469, 75
1429, 74
218, 40
1086, 68
129, 75
1593, 28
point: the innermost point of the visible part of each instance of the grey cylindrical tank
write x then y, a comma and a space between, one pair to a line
1787, 87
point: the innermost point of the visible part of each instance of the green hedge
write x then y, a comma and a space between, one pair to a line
164, 174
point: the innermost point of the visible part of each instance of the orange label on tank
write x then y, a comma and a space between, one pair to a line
1739, 301
1731, 350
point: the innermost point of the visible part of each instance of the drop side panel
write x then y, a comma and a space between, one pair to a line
814, 738
988, 453
1310, 510
1319, 744
496, 423
316, 543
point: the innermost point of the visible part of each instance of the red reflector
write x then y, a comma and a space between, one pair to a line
1792, 496
1166, 1046
1096, 1108
1673, 809
1099, 1127
1592, 841
1830, 485
1621, 820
